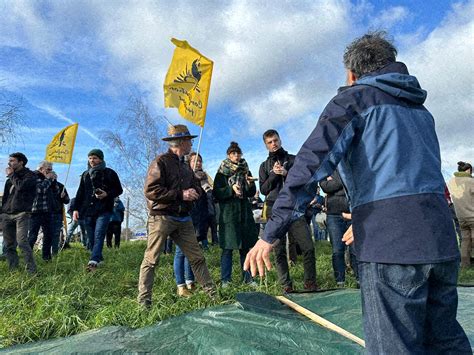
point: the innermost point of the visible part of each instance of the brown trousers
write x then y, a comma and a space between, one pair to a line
182, 233
15, 231
467, 242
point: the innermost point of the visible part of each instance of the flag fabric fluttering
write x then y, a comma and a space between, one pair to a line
61, 147
188, 82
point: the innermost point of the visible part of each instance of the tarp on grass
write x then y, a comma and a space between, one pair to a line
256, 324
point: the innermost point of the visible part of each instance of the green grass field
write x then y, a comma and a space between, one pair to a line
64, 299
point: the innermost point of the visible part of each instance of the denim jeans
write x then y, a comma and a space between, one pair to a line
411, 309
226, 265
96, 228
182, 269
337, 226
319, 234
72, 227
43, 220
56, 225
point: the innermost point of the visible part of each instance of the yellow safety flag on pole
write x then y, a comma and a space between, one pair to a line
188, 82
61, 147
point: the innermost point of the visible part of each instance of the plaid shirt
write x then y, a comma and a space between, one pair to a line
42, 201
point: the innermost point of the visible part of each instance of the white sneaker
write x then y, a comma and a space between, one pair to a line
252, 284
225, 284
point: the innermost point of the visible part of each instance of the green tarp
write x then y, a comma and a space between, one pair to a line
255, 324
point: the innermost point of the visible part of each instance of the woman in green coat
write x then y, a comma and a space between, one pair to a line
233, 186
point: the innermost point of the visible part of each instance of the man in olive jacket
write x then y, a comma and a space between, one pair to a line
171, 188
20, 190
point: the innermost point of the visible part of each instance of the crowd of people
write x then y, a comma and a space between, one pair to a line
383, 189
35, 200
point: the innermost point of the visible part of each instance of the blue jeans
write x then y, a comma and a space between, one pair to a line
411, 309
337, 226
319, 234
182, 269
96, 229
56, 225
72, 227
226, 265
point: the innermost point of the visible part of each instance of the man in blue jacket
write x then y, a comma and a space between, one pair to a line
383, 141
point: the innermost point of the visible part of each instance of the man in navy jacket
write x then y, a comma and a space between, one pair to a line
383, 141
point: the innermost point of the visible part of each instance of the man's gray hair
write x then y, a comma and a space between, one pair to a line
369, 53
45, 164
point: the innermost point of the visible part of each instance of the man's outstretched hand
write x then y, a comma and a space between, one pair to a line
258, 258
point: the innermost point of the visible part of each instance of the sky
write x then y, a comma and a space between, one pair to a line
276, 65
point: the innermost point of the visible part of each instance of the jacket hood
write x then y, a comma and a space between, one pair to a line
395, 80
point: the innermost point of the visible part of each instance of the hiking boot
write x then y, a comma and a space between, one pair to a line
183, 292
191, 286
145, 305
311, 286
211, 291
91, 267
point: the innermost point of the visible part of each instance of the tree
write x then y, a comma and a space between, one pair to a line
136, 140
11, 118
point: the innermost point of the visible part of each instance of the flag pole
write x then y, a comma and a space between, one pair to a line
198, 148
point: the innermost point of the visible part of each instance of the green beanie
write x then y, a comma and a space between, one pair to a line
97, 152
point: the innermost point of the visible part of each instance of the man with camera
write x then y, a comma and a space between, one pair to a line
272, 174
95, 202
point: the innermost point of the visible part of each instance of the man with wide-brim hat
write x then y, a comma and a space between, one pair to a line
177, 132
171, 188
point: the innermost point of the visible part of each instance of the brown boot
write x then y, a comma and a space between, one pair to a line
191, 287
183, 292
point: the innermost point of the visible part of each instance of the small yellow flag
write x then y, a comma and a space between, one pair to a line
61, 147
188, 82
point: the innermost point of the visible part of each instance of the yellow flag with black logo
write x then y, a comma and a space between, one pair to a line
61, 147
188, 82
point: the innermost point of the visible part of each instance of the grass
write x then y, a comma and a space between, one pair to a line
65, 300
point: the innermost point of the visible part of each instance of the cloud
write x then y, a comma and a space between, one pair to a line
276, 64
442, 63
59, 115
390, 17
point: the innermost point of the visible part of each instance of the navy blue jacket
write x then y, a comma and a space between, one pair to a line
383, 141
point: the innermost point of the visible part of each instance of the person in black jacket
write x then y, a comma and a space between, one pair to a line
18, 195
41, 209
336, 205
60, 197
272, 175
95, 202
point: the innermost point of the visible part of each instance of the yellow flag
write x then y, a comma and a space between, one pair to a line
188, 82
61, 147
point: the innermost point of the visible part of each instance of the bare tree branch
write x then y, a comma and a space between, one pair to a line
136, 139
11, 118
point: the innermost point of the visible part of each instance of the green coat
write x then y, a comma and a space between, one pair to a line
237, 228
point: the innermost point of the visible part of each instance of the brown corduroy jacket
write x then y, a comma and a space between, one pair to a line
167, 177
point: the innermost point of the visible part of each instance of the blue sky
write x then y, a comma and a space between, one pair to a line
276, 66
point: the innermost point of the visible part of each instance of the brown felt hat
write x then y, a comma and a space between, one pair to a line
178, 131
